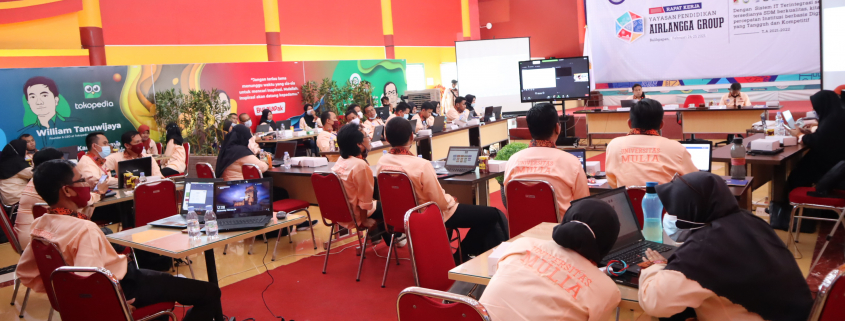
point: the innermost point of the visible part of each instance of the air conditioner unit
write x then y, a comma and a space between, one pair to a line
421, 96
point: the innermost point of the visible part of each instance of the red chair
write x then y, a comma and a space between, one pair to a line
39, 209
636, 194
6, 225
693, 99
251, 171
187, 148
421, 304
332, 199
530, 202
77, 296
48, 258
154, 201
830, 301
799, 199
431, 253
397, 196
79, 155
158, 148
204, 170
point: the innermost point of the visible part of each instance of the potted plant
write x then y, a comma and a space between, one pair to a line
505, 154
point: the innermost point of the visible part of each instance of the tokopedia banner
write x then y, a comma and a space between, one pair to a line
642, 40
60, 106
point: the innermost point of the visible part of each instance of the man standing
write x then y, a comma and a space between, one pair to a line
449, 95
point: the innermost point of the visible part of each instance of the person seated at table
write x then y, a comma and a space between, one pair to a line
385, 102
643, 155
176, 163
82, 243
235, 153
245, 120
148, 143
470, 103
638, 93
735, 97
460, 111
436, 105
425, 113
732, 266
372, 121
401, 111
15, 171
543, 161
569, 287
357, 110
131, 141
233, 117
311, 119
326, 138
414, 110
29, 197
358, 180
352, 117
488, 226
30, 145
253, 146
267, 118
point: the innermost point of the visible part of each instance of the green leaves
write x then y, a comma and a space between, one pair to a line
200, 114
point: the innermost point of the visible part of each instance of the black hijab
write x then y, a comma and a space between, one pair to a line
826, 148
734, 253
469, 103
235, 146
267, 118
174, 133
12, 160
593, 240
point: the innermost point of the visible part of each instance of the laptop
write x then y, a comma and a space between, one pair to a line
701, 152
459, 161
628, 102
281, 148
243, 205
199, 193
788, 120
263, 128
378, 133
413, 125
581, 154
69, 152
439, 123
134, 166
383, 113
284, 124
489, 112
497, 111
630, 246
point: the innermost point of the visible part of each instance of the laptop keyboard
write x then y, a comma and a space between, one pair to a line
243, 220
634, 255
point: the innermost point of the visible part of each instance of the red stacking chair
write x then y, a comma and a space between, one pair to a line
431, 253
830, 301
79, 155
6, 225
421, 304
204, 170
693, 99
251, 171
158, 148
800, 199
48, 258
39, 209
636, 194
397, 196
530, 202
335, 207
187, 148
98, 296
154, 201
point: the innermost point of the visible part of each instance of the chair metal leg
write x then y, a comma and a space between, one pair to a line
326, 261
791, 236
798, 229
50, 316
15, 293
827, 240
25, 300
311, 227
277, 244
225, 248
363, 250
190, 268
395, 254
134, 258
387, 261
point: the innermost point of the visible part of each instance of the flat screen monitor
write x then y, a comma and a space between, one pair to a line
554, 79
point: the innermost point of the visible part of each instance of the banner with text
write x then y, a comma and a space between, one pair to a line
645, 40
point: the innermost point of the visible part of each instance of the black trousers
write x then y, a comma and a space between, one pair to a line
488, 227
149, 287
167, 171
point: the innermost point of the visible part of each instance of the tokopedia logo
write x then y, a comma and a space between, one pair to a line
92, 90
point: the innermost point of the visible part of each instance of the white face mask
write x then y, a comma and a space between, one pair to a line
406, 116
356, 121
248, 123
310, 112
360, 115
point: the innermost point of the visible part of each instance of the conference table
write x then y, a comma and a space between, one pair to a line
741, 193
766, 168
171, 242
286, 139
695, 120
373, 155
436, 146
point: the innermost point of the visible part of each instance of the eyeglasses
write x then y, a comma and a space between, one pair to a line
687, 183
391, 92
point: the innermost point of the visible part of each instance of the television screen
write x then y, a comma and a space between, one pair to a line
554, 79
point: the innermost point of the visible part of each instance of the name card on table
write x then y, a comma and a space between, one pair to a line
376, 144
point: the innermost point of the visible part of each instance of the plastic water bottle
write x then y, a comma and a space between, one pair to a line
738, 159
143, 178
332, 143
286, 160
384, 152
652, 210
210, 222
780, 130
193, 223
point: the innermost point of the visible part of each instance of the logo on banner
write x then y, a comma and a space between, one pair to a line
92, 89
673, 8
275, 108
617, 1
629, 27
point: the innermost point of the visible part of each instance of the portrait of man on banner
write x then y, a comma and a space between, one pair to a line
43, 106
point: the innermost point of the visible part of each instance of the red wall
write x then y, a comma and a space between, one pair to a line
426, 23
331, 22
551, 24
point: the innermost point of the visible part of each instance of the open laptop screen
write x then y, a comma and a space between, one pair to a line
462, 157
581, 154
787, 117
243, 198
701, 155
198, 195
629, 228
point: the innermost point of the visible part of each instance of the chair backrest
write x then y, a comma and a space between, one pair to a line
158, 148
251, 171
636, 194
830, 301
6, 225
693, 99
421, 304
530, 202
431, 253
97, 296
187, 148
39, 209
155, 201
48, 258
332, 199
79, 155
397, 196
204, 170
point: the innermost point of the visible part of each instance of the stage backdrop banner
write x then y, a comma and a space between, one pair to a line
387, 76
60, 106
645, 40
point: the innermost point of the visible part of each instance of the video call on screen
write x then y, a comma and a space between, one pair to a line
554, 79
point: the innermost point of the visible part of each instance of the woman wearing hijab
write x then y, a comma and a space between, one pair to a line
235, 153
148, 143
558, 279
267, 118
732, 266
471, 104
176, 163
311, 118
15, 171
